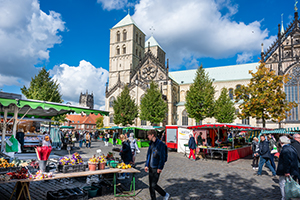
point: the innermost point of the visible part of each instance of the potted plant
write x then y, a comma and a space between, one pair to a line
93, 162
102, 162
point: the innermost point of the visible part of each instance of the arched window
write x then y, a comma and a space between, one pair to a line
137, 38
185, 119
111, 119
140, 41
143, 122
111, 102
230, 93
124, 35
136, 52
292, 92
118, 36
140, 54
182, 95
124, 49
118, 50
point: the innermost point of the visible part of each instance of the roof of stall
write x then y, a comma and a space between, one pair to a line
43, 109
225, 126
146, 128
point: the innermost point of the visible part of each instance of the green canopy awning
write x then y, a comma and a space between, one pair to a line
277, 131
111, 128
44, 109
66, 127
142, 128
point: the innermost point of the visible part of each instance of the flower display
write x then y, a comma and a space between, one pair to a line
93, 160
74, 160
102, 159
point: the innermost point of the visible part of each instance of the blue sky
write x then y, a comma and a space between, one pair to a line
71, 37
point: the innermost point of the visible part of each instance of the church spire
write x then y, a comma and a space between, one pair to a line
282, 29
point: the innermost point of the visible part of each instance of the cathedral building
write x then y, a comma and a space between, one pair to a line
86, 100
137, 62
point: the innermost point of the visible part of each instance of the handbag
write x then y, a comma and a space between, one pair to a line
291, 188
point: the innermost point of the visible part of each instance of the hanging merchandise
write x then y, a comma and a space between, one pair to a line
12, 145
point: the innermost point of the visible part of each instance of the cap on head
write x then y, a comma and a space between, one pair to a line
284, 140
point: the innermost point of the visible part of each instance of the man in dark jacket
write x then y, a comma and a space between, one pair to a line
192, 147
264, 153
287, 164
295, 142
155, 162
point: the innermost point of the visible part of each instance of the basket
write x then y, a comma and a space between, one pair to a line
91, 190
71, 168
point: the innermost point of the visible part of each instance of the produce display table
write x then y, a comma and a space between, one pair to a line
232, 154
25, 188
132, 184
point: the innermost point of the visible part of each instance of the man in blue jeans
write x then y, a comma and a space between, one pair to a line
155, 161
265, 155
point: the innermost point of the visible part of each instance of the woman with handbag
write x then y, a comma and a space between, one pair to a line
255, 149
273, 150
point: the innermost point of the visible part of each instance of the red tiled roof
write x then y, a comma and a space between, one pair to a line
85, 119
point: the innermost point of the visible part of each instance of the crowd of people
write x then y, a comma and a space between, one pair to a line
288, 149
83, 137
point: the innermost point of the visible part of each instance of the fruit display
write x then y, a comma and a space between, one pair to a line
123, 166
5, 164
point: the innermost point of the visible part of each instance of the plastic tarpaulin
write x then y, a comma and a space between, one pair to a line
183, 138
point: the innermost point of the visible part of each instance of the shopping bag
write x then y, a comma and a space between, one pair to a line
12, 145
291, 188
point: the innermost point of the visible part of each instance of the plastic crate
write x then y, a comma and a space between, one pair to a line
71, 168
68, 194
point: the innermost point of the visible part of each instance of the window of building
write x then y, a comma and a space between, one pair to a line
291, 89
185, 119
143, 122
111, 119
230, 93
140, 41
87, 126
118, 36
111, 102
245, 121
72, 121
136, 52
140, 54
118, 50
199, 122
136, 38
124, 35
78, 122
124, 49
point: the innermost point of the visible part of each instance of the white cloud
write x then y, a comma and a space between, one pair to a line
244, 57
26, 35
194, 29
74, 80
113, 4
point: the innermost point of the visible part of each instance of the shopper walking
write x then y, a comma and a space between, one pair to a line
155, 161
287, 164
295, 142
264, 153
80, 139
272, 145
192, 147
134, 147
115, 135
88, 140
125, 153
255, 148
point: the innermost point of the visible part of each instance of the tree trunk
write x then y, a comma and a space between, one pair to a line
263, 121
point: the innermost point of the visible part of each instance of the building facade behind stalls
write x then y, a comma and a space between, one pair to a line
135, 62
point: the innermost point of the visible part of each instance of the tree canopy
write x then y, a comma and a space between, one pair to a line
224, 108
125, 108
263, 98
43, 87
153, 108
200, 97
99, 122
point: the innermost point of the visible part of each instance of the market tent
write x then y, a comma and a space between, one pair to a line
66, 127
37, 109
223, 126
111, 128
145, 128
293, 129
277, 131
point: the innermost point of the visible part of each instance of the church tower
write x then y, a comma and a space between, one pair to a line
86, 100
126, 50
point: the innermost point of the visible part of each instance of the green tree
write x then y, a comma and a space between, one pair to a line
200, 97
43, 87
153, 108
224, 108
263, 98
125, 109
99, 122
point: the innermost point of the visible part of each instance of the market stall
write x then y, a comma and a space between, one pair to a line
177, 136
226, 140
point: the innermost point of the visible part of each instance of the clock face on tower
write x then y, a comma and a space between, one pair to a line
148, 72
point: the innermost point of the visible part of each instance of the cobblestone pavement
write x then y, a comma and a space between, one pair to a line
181, 178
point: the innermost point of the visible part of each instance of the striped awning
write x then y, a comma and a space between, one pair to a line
293, 129
278, 131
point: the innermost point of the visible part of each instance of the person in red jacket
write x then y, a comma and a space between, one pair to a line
192, 147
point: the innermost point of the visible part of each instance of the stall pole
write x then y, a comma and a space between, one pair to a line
49, 127
4, 129
16, 109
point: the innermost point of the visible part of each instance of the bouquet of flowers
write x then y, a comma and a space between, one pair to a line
43, 152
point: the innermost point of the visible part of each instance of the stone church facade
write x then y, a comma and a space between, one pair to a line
136, 62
